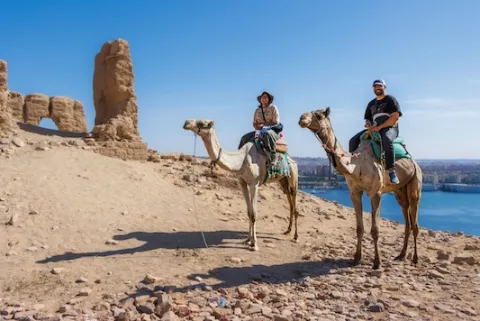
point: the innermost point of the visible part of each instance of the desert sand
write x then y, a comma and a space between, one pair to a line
89, 237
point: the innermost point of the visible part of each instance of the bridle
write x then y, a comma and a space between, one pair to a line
200, 126
331, 152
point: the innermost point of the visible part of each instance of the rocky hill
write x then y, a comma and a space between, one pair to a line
85, 237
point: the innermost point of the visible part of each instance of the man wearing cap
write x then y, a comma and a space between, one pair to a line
381, 115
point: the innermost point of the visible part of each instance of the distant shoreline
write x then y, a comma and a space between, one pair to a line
427, 187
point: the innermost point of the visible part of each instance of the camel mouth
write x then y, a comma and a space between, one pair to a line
188, 125
304, 123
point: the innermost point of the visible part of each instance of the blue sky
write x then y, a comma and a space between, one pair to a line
210, 59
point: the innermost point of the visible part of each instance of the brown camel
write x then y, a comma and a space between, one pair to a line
251, 169
363, 173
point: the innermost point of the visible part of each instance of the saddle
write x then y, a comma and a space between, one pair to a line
375, 139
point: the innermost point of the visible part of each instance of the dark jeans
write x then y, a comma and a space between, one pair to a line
388, 135
269, 140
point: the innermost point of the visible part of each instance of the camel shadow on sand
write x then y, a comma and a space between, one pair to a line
167, 241
230, 277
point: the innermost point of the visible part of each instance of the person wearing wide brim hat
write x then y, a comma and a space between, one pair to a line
266, 121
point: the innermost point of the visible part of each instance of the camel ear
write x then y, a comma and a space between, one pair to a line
211, 123
327, 112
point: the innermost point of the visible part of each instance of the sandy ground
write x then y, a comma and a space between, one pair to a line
85, 228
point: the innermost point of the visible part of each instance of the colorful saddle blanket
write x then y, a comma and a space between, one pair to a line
375, 141
279, 166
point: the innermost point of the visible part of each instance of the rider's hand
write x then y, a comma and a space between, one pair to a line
368, 124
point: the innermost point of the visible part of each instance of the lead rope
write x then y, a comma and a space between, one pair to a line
193, 193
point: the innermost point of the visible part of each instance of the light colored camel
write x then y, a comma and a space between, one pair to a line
363, 173
250, 167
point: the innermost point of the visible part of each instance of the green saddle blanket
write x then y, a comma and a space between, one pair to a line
279, 166
374, 138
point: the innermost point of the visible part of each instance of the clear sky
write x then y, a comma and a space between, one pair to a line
210, 59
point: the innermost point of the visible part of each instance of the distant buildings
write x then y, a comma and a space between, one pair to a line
434, 171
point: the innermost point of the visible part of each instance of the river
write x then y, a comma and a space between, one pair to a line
439, 211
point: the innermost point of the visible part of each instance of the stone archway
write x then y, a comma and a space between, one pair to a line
66, 113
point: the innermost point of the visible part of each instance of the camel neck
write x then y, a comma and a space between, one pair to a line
230, 161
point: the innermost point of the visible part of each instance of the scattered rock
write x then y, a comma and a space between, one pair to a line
150, 279
85, 292
57, 270
466, 258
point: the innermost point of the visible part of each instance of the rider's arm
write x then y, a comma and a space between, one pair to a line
368, 117
275, 116
391, 121
393, 107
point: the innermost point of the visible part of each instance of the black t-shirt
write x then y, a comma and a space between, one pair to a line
387, 105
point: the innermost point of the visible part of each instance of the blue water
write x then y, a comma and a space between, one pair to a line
439, 211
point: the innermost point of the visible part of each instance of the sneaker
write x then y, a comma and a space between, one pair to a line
393, 177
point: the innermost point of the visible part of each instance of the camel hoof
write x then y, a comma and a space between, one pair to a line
356, 262
254, 248
401, 257
287, 232
246, 241
376, 265
294, 240
415, 260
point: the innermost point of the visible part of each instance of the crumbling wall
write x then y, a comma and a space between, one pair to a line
66, 113
5, 116
116, 120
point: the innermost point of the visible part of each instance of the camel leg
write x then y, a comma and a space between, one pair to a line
253, 189
402, 199
356, 197
246, 196
295, 210
375, 201
284, 185
414, 192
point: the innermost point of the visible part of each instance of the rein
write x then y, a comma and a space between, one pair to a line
213, 163
331, 152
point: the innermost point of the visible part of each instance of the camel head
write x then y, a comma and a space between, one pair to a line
199, 127
317, 121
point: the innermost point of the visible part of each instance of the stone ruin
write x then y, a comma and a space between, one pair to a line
116, 118
15, 108
116, 121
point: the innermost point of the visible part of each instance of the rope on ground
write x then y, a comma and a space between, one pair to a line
193, 193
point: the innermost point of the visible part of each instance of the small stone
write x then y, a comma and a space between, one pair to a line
411, 303
235, 260
377, 307
32, 249
13, 219
18, 142
147, 308
33, 212
435, 274
11, 253
111, 242
464, 258
82, 280
336, 295
281, 292
150, 279
170, 316
85, 292
57, 270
